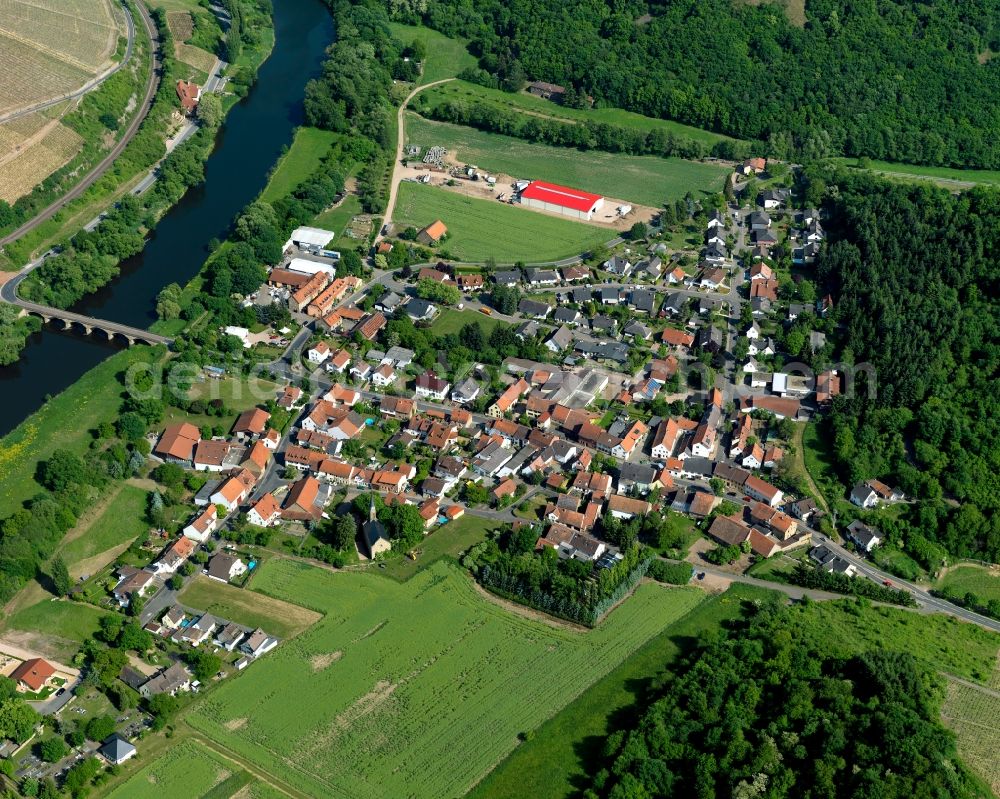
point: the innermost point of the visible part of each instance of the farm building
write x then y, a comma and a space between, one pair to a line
562, 200
310, 239
433, 233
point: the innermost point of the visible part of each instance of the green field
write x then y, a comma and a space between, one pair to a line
60, 626
644, 179
467, 92
478, 229
969, 578
303, 158
122, 521
941, 174
337, 219
564, 750
66, 421
250, 609
425, 685
189, 770
451, 320
448, 540
446, 57
238, 394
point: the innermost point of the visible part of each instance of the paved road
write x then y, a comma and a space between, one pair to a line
109, 159
89, 86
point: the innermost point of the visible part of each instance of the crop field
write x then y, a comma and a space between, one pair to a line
249, 608
982, 581
121, 522
415, 688
973, 715
50, 47
522, 101
946, 176
38, 158
644, 179
478, 229
188, 769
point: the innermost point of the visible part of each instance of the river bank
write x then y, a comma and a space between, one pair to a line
257, 129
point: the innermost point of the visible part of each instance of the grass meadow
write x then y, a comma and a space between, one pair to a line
425, 685
478, 229
308, 148
969, 578
64, 422
121, 522
446, 57
524, 102
644, 179
248, 608
56, 627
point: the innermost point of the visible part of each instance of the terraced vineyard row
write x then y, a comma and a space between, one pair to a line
34, 163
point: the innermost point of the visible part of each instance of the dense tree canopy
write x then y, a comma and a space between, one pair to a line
914, 273
764, 712
894, 79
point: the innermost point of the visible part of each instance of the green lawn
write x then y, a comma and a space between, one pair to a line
61, 625
66, 422
568, 747
448, 540
643, 179
451, 320
468, 92
188, 769
245, 607
337, 219
446, 57
970, 578
122, 521
818, 462
412, 689
308, 148
478, 229
238, 394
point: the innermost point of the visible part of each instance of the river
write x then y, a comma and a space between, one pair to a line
247, 146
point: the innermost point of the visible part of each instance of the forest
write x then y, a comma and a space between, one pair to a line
914, 270
895, 79
763, 711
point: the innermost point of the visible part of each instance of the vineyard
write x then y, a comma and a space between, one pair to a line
181, 26
31, 149
973, 714
424, 685
52, 47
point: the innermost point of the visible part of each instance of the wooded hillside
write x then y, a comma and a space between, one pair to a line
894, 79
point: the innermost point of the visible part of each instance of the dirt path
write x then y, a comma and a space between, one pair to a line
800, 457
397, 170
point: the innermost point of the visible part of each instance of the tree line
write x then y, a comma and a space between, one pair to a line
898, 80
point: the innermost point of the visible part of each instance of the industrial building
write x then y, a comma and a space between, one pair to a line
310, 239
561, 200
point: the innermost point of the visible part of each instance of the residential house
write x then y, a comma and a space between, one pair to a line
430, 386
258, 643
32, 675
420, 310
177, 443
266, 512
865, 537
203, 525
829, 561
225, 568
169, 681
534, 308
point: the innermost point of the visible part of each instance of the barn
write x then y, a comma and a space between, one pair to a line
562, 200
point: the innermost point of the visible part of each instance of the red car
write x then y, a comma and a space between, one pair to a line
887, 582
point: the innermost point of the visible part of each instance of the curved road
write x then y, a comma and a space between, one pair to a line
89, 86
109, 159
400, 140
